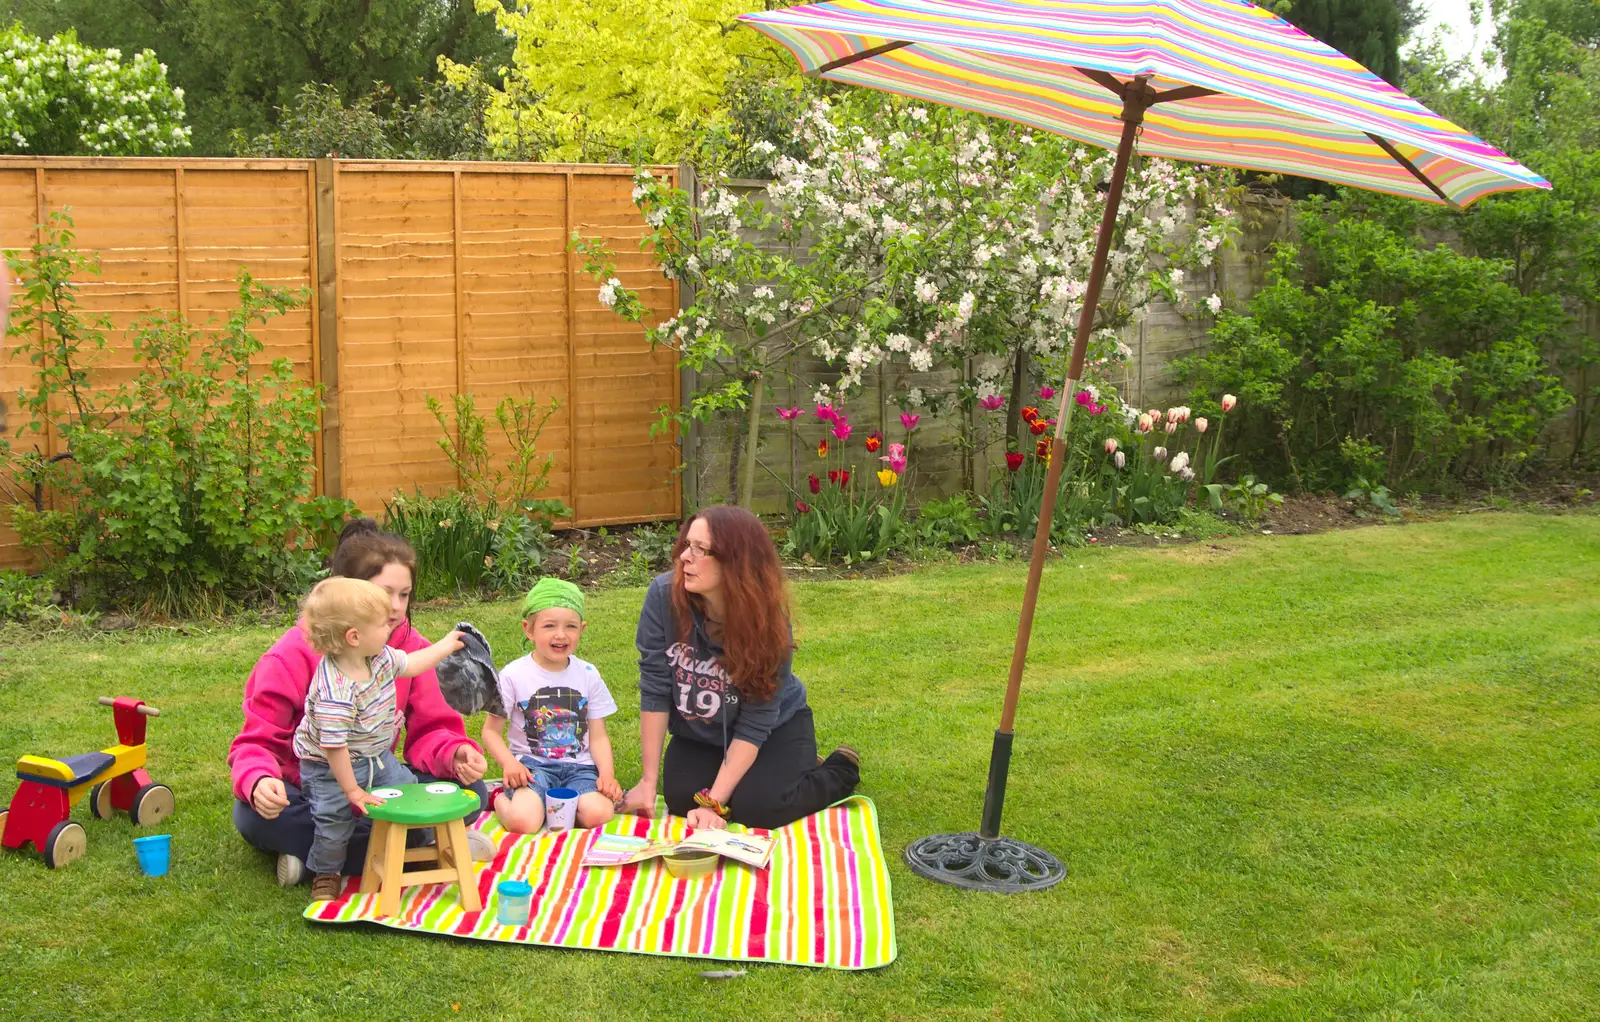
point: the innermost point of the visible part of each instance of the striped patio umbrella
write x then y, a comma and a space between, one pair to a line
1210, 81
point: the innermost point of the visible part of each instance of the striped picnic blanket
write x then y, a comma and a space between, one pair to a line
824, 900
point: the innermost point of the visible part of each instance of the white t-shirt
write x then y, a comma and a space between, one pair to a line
550, 711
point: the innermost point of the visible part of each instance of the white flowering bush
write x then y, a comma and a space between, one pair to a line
61, 98
913, 238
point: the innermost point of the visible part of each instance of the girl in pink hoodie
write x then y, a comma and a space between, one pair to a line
271, 812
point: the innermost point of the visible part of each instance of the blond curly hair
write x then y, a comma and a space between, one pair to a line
336, 605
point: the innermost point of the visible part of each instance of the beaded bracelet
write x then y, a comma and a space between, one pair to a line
703, 799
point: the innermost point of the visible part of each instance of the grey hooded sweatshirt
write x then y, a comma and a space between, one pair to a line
685, 681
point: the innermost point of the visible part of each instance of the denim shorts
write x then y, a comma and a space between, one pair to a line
553, 773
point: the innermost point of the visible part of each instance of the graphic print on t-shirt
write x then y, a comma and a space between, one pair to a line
556, 722
703, 687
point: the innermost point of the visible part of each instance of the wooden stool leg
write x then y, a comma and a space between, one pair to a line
394, 864
375, 866
457, 832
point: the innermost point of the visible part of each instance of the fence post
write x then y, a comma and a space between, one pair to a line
327, 242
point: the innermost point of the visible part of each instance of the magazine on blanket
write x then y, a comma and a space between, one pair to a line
620, 849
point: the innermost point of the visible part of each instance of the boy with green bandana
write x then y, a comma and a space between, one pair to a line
552, 733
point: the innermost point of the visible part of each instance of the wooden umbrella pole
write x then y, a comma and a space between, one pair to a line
1136, 98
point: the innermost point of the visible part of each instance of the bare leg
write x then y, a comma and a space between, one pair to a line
594, 809
521, 812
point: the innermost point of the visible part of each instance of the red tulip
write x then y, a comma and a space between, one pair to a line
1041, 450
1038, 425
816, 484
801, 506
1029, 413
822, 448
874, 441
1013, 460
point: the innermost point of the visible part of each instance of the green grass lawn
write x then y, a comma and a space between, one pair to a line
1351, 775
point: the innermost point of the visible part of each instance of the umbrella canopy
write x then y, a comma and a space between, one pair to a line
1236, 85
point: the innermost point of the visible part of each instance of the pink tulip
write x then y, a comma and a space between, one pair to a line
909, 421
1201, 424
828, 413
1155, 415
1111, 445
1046, 393
1228, 401
1145, 422
842, 430
1172, 427
896, 458
993, 403
1120, 458
789, 414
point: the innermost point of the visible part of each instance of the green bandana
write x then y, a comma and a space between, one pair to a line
549, 593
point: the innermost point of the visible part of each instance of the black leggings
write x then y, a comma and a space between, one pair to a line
784, 784
291, 831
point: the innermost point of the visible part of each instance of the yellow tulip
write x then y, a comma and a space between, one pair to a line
888, 476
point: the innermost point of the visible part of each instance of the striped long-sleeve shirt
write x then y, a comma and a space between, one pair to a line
359, 715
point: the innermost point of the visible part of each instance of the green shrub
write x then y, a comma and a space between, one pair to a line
186, 485
654, 543
948, 522
493, 533
1372, 355
24, 597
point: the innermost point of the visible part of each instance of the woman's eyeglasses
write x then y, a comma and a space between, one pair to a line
698, 552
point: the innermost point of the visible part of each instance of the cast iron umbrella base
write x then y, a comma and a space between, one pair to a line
982, 860
1002, 865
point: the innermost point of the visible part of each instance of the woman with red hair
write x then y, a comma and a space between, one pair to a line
715, 649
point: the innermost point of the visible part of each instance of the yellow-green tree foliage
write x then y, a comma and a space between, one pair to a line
616, 79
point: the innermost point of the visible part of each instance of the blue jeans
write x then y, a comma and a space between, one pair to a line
331, 812
554, 773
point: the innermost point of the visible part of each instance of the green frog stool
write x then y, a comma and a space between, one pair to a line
440, 806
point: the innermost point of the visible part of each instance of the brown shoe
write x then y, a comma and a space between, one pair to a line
325, 886
848, 753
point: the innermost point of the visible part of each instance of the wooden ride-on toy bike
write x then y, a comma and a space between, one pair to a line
114, 778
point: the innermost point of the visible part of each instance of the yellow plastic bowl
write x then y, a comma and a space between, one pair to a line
688, 865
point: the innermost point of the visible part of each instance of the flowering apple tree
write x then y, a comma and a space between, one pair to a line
906, 238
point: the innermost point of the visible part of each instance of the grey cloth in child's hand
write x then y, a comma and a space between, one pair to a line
467, 677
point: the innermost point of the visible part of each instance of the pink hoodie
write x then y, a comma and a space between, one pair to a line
275, 700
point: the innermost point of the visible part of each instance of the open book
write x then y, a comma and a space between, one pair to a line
619, 849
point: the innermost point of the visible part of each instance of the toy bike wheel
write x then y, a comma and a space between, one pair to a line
66, 842
100, 801
152, 804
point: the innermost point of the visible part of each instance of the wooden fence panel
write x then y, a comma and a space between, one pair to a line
514, 303
619, 382
439, 279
